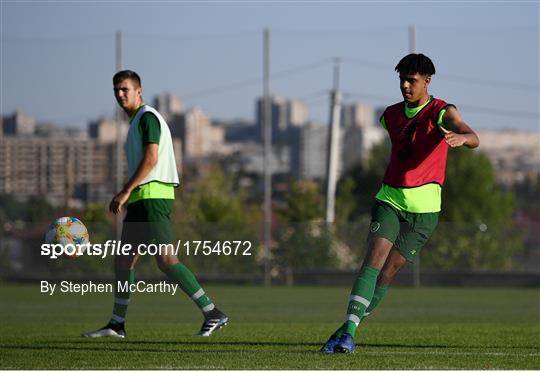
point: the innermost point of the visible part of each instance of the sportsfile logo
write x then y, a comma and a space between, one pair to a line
111, 247
116, 248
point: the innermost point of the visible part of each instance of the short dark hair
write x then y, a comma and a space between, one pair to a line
126, 74
415, 63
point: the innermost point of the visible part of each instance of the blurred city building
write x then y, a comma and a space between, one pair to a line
360, 132
168, 105
42, 158
358, 135
198, 135
357, 115
58, 168
52, 130
105, 130
248, 158
313, 151
287, 116
63, 164
239, 130
515, 155
307, 142
19, 124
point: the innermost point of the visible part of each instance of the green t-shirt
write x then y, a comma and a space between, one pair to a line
421, 199
149, 128
150, 131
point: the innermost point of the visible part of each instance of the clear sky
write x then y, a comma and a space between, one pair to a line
58, 57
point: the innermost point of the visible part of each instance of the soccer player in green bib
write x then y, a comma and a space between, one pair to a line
148, 197
405, 213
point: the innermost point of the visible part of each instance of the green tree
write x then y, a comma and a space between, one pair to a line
527, 192
304, 241
355, 195
213, 211
476, 230
11, 209
39, 209
358, 186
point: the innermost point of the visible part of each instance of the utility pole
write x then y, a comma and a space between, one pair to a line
119, 139
412, 39
332, 160
267, 138
416, 264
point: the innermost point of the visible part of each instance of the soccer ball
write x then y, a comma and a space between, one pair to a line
69, 232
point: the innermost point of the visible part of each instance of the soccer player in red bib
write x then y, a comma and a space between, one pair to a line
406, 208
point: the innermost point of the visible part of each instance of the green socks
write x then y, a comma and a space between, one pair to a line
189, 284
178, 273
360, 299
380, 291
122, 280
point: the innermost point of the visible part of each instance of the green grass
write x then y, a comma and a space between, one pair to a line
275, 328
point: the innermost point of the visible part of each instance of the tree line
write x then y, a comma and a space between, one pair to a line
475, 232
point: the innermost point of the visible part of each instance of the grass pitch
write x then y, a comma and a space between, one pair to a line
274, 328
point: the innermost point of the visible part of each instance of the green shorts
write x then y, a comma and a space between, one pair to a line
408, 231
148, 221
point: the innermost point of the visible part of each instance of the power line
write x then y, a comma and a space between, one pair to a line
349, 94
375, 31
497, 112
79, 38
470, 108
366, 63
315, 95
222, 88
316, 100
451, 77
381, 31
471, 31
200, 36
254, 81
56, 39
492, 83
301, 69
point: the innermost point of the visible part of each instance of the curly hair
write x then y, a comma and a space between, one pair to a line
415, 63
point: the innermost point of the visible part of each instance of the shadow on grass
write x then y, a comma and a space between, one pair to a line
108, 348
193, 346
281, 343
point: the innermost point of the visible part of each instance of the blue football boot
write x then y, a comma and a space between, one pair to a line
345, 344
328, 348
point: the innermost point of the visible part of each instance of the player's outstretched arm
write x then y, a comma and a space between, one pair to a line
456, 132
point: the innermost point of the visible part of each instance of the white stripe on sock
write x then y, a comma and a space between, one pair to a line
197, 295
121, 301
362, 300
207, 308
353, 318
117, 318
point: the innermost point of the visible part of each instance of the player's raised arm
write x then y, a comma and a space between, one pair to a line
456, 132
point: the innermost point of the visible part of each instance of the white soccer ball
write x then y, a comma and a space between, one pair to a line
69, 232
